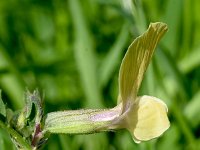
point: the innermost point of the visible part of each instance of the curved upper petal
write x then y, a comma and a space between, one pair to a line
136, 60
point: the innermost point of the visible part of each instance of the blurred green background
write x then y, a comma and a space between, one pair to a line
72, 49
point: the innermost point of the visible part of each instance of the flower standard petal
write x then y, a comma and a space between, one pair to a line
136, 61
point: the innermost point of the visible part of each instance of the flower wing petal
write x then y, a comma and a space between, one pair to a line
149, 119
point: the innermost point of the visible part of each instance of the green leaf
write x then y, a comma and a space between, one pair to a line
172, 18
136, 61
85, 56
190, 61
192, 110
5, 141
113, 57
11, 83
16, 137
2, 107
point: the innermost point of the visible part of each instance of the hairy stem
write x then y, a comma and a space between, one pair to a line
16, 136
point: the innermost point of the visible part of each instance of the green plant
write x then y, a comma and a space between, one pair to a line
144, 116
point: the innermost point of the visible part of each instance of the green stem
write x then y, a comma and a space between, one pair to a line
16, 136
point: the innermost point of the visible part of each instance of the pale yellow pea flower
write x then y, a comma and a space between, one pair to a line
144, 116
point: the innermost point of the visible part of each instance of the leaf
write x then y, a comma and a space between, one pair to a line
136, 61
12, 83
172, 18
192, 110
113, 57
2, 106
17, 139
190, 61
85, 56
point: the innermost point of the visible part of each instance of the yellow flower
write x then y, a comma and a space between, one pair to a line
144, 116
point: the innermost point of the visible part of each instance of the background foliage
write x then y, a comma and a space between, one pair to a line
72, 49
